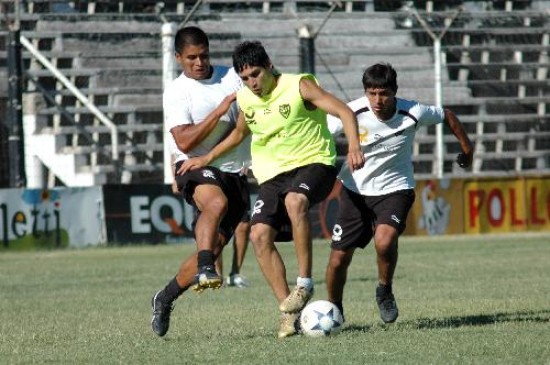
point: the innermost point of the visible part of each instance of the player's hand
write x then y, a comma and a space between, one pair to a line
226, 103
356, 159
464, 160
192, 164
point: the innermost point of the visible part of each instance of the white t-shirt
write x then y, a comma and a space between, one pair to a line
387, 146
189, 101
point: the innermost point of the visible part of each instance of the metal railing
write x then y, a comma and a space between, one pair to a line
79, 95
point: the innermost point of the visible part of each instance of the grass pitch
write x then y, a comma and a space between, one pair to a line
462, 300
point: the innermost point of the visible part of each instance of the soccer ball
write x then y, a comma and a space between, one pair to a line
321, 318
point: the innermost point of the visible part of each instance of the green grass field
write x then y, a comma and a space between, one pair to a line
462, 300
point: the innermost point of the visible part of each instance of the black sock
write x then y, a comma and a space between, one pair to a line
171, 291
205, 258
340, 307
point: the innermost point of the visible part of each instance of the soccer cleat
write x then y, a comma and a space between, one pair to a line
296, 300
288, 324
207, 277
236, 280
161, 315
386, 304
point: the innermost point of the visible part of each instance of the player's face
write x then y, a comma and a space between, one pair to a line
382, 102
258, 79
195, 61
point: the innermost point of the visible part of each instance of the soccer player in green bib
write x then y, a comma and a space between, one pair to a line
293, 157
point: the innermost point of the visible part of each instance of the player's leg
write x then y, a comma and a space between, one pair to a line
385, 239
391, 212
297, 206
218, 264
309, 185
271, 264
163, 300
336, 275
386, 243
240, 245
212, 204
273, 268
352, 229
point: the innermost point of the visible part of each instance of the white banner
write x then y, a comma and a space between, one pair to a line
51, 218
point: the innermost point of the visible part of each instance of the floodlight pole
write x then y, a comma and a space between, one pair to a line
438, 88
307, 41
16, 151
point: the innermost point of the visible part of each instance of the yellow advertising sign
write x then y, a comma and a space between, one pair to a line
507, 205
438, 208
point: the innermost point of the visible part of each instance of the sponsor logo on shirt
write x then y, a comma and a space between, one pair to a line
394, 218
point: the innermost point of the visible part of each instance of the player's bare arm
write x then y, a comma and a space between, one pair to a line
236, 136
311, 92
465, 158
188, 136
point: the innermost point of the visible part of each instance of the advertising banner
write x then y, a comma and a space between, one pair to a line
438, 208
51, 218
146, 214
498, 206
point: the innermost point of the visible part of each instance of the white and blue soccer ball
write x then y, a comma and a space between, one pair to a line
321, 318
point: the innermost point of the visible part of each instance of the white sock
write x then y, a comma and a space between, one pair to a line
305, 282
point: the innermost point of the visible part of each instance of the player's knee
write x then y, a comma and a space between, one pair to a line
216, 206
260, 239
339, 259
296, 204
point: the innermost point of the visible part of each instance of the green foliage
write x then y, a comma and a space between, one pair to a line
465, 300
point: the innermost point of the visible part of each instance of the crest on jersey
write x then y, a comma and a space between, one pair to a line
284, 110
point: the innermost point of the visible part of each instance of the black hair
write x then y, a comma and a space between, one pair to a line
190, 36
250, 53
380, 76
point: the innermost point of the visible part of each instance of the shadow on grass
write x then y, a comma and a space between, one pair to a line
481, 319
542, 316
356, 279
356, 328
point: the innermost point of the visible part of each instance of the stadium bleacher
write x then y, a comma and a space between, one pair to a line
495, 73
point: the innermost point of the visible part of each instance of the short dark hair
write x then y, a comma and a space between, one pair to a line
190, 36
380, 75
250, 53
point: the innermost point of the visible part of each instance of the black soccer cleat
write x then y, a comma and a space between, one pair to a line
161, 315
207, 277
386, 304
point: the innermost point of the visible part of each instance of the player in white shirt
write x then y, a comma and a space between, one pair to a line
376, 199
190, 103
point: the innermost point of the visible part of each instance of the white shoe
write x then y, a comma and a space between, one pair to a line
236, 280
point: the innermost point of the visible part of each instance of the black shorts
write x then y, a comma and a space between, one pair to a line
315, 181
358, 216
245, 196
233, 185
